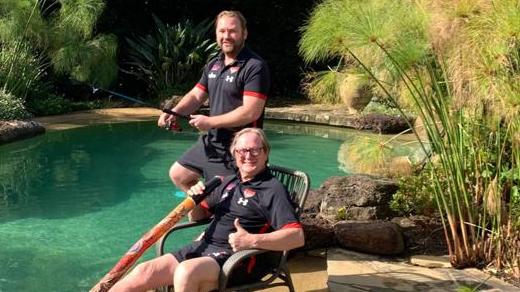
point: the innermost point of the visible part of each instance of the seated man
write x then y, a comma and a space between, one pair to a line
251, 210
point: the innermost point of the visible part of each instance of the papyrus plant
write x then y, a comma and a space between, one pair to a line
477, 157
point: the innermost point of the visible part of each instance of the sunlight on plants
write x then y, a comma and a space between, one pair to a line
455, 64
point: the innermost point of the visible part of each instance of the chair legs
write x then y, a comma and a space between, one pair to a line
285, 275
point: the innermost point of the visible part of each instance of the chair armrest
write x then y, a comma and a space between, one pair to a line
233, 261
159, 246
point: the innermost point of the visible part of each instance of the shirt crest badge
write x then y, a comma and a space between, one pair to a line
248, 193
215, 67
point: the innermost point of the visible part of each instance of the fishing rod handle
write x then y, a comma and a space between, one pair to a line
211, 185
171, 112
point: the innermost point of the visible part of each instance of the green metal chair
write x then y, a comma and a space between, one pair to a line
297, 184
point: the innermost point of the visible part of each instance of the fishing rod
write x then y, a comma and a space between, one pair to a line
133, 99
149, 238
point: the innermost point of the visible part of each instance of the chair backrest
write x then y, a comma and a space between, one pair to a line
296, 182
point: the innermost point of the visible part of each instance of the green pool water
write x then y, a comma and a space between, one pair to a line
72, 202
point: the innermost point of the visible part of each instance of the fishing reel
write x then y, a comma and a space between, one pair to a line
173, 126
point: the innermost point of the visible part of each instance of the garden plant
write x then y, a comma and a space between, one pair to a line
42, 41
461, 80
170, 59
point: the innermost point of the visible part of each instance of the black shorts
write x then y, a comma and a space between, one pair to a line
250, 270
202, 159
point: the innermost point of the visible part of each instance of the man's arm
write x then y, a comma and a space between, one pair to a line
189, 103
249, 111
282, 239
198, 213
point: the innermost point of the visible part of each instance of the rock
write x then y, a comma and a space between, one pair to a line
422, 235
382, 123
318, 232
313, 202
431, 261
17, 130
375, 237
358, 197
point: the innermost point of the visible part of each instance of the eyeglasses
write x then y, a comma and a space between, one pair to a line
253, 151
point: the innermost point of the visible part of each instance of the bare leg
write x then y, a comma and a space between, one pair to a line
149, 275
183, 177
198, 274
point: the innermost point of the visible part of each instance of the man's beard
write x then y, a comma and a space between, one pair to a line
234, 49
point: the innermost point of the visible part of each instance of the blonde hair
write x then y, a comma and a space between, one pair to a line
259, 132
233, 13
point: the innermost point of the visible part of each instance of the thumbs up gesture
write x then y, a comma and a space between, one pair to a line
241, 239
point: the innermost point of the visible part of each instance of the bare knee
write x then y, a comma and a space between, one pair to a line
136, 279
200, 276
182, 279
183, 177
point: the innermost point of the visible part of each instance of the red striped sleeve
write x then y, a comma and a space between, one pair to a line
292, 225
255, 94
264, 228
204, 205
201, 87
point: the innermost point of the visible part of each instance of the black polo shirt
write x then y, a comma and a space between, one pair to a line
226, 86
261, 204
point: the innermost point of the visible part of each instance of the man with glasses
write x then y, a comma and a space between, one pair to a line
236, 83
250, 209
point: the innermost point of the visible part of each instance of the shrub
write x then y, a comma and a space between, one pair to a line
170, 57
63, 34
11, 107
415, 196
49, 105
20, 69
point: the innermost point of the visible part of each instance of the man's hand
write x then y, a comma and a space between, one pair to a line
166, 120
200, 122
241, 239
196, 189
197, 213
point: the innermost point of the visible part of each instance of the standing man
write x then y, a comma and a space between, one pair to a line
236, 82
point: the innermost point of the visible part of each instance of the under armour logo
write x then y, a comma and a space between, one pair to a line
217, 254
229, 78
212, 75
242, 201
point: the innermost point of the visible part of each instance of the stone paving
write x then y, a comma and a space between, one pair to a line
352, 271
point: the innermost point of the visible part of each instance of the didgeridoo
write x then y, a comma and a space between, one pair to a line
152, 236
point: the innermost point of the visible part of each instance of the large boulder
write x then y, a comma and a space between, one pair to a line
319, 232
375, 237
422, 235
382, 123
356, 197
18, 130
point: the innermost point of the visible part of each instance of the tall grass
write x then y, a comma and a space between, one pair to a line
475, 179
480, 45
20, 69
63, 32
